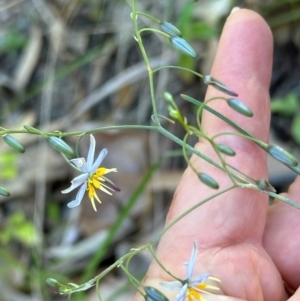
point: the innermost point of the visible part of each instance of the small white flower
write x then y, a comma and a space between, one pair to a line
91, 178
192, 286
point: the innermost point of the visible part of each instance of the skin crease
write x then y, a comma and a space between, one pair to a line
241, 241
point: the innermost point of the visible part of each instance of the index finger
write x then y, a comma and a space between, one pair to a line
243, 62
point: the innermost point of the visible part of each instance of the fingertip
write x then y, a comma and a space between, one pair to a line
247, 43
244, 63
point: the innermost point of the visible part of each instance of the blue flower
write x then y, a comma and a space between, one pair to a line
91, 177
192, 286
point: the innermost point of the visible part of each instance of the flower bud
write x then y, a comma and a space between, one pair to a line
265, 185
31, 129
173, 112
52, 282
239, 107
282, 155
226, 150
153, 294
64, 290
60, 146
168, 97
170, 29
14, 143
208, 180
183, 46
4, 191
209, 80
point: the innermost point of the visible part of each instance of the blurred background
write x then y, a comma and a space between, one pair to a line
74, 65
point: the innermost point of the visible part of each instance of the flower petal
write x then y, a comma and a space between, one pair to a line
79, 197
90, 156
80, 163
195, 280
171, 285
98, 161
79, 180
192, 260
182, 294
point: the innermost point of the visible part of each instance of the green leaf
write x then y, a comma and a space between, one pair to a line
20, 229
185, 19
286, 106
10, 41
8, 165
295, 128
202, 31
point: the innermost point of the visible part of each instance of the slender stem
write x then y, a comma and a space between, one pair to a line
196, 152
134, 15
81, 133
179, 68
148, 16
170, 225
161, 265
154, 30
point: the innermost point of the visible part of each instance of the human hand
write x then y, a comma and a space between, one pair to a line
250, 247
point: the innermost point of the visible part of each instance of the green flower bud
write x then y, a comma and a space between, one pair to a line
226, 150
209, 80
168, 97
31, 129
60, 146
239, 107
183, 46
173, 112
153, 294
170, 29
282, 155
52, 282
265, 185
14, 143
208, 180
64, 290
4, 191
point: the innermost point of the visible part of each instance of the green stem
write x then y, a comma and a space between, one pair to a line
170, 225
139, 40
178, 68
81, 133
161, 265
148, 16
155, 31
196, 152
114, 228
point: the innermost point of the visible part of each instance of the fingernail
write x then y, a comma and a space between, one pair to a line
235, 9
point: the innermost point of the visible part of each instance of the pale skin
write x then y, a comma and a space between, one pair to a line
250, 247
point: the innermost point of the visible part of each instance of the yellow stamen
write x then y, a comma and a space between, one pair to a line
92, 192
93, 204
214, 278
103, 171
192, 293
95, 182
201, 286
